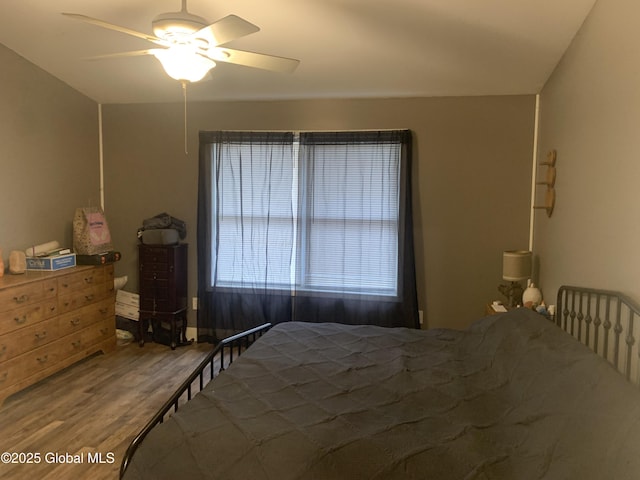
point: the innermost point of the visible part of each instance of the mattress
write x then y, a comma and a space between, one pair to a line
511, 397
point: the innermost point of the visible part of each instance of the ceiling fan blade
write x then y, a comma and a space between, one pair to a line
226, 29
251, 59
110, 26
133, 53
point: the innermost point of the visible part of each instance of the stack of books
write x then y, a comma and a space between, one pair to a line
99, 258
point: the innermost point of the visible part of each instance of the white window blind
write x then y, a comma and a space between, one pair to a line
253, 203
317, 216
351, 226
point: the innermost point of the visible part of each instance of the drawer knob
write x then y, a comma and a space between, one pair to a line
4, 376
21, 298
104, 331
88, 280
104, 311
88, 298
3, 349
44, 359
20, 320
41, 335
75, 322
76, 344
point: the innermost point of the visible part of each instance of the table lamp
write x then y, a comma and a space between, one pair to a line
516, 266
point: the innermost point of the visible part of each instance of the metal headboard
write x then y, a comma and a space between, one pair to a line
605, 321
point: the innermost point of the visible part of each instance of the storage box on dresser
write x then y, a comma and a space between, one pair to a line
50, 320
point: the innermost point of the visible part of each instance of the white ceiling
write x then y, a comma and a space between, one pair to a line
347, 48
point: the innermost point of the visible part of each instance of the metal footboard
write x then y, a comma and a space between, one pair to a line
224, 352
605, 321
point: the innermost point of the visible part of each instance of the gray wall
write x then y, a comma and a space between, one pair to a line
590, 112
49, 161
472, 178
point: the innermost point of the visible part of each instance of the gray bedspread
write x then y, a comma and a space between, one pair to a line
512, 397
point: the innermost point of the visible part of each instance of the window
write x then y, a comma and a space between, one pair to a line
307, 226
307, 212
252, 202
350, 208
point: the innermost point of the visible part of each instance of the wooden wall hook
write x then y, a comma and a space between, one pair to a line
550, 182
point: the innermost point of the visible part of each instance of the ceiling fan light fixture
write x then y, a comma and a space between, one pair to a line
182, 23
181, 63
190, 45
167, 25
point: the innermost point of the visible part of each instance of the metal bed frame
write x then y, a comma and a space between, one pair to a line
606, 322
236, 343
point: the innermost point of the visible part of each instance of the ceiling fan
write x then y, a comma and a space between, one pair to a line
188, 46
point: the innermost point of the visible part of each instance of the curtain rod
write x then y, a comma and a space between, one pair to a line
313, 131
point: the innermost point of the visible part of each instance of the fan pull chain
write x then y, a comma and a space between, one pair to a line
184, 94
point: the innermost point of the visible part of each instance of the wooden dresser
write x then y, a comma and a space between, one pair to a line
49, 320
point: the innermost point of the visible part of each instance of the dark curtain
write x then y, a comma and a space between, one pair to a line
245, 220
254, 230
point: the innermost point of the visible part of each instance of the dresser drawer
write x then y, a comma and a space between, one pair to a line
156, 255
82, 318
28, 315
27, 364
157, 287
26, 339
108, 280
86, 338
80, 298
99, 332
80, 280
21, 295
152, 271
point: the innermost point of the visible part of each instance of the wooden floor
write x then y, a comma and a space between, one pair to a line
94, 407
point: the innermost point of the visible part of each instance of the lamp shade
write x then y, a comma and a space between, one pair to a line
516, 265
182, 63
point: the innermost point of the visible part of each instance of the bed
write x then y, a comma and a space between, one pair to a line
513, 396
